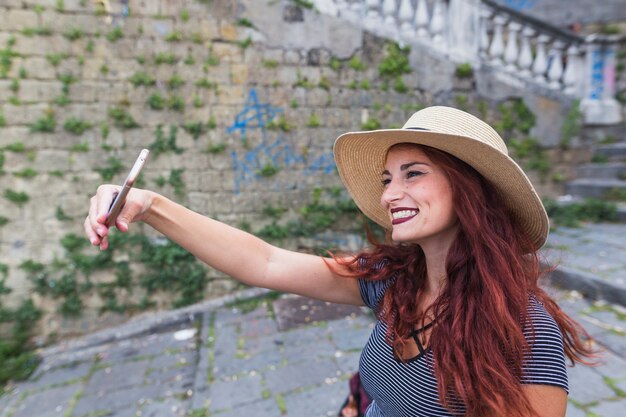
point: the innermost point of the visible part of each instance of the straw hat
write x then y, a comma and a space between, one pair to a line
360, 158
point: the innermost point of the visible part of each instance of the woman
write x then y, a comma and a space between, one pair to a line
463, 327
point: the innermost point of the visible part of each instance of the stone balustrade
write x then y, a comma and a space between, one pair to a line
485, 33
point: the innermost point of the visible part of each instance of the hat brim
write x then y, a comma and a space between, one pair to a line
360, 159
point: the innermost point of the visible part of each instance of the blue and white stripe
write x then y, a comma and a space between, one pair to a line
410, 389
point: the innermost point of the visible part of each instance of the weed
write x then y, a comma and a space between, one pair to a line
396, 61
270, 63
45, 124
74, 34
356, 64
314, 121
174, 36
121, 118
114, 166
164, 144
156, 101
76, 126
195, 129
115, 35
141, 78
17, 197
464, 70
371, 124
165, 58
26, 173
175, 81
570, 215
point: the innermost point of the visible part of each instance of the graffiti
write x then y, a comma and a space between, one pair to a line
277, 153
597, 75
520, 4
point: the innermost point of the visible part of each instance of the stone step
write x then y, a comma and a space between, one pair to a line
613, 151
594, 187
614, 170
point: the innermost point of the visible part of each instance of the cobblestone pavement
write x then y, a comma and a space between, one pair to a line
267, 357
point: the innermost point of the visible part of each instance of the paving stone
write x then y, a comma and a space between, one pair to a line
348, 362
319, 350
63, 374
350, 339
116, 401
264, 408
258, 327
573, 411
170, 407
587, 386
609, 408
612, 366
174, 359
116, 377
7, 401
230, 365
180, 379
48, 403
308, 403
305, 336
303, 374
261, 344
233, 394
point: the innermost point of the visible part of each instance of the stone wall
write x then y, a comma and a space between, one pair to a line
563, 14
240, 102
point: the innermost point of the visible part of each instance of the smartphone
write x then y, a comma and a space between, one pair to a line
120, 198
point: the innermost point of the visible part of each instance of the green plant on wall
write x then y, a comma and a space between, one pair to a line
76, 126
141, 78
114, 166
156, 101
396, 61
122, 118
17, 359
17, 197
45, 124
571, 125
164, 144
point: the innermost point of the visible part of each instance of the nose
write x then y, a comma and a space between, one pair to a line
391, 193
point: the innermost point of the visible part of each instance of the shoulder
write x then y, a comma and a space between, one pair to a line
545, 361
372, 291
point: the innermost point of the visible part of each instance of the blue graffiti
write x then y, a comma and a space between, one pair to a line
520, 4
277, 153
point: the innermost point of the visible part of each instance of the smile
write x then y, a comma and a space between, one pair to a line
402, 215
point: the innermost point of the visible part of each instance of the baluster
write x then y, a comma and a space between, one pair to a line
437, 22
389, 11
483, 39
511, 53
405, 16
421, 19
555, 72
541, 61
573, 71
373, 10
497, 42
526, 55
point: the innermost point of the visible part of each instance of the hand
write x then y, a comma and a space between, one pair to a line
137, 204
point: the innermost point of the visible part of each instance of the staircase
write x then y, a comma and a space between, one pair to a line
605, 176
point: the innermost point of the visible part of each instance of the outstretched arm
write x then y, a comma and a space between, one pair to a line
232, 251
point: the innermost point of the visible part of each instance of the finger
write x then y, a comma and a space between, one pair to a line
104, 199
91, 234
98, 227
129, 212
104, 243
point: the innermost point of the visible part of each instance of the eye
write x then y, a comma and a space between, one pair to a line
412, 174
386, 181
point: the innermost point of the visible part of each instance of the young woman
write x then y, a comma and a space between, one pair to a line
463, 327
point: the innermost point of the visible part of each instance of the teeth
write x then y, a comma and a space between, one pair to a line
404, 214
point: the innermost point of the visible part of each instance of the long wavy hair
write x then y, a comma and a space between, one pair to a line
492, 268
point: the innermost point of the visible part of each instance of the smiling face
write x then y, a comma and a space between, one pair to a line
418, 198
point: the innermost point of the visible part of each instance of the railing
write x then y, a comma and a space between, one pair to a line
486, 33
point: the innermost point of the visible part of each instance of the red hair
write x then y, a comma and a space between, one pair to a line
492, 267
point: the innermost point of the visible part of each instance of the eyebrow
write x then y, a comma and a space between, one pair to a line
404, 167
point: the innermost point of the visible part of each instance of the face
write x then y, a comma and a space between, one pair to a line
418, 198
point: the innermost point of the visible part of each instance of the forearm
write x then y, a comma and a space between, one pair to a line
230, 250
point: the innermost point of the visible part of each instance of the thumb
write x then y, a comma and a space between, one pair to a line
126, 216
